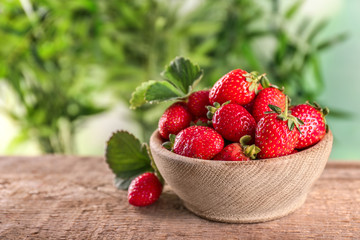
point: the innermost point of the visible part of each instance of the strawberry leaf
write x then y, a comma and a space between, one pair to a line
162, 91
138, 96
181, 77
127, 158
183, 74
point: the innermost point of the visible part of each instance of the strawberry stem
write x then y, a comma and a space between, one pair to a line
249, 151
286, 115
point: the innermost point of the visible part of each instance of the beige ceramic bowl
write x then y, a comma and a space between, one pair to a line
242, 192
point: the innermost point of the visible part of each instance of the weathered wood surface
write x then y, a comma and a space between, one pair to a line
57, 197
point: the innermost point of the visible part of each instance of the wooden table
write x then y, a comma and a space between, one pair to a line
58, 197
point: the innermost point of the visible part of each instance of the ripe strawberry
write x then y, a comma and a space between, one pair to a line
249, 106
267, 96
198, 142
144, 190
232, 121
237, 86
294, 151
275, 134
197, 103
238, 151
314, 128
174, 119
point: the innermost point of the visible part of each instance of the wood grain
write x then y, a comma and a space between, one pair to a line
58, 197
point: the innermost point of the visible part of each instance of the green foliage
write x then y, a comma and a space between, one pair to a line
59, 59
127, 158
48, 61
295, 61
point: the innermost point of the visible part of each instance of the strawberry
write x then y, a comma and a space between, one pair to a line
144, 190
249, 106
294, 151
314, 128
174, 119
237, 86
267, 96
232, 121
197, 142
238, 151
276, 134
197, 103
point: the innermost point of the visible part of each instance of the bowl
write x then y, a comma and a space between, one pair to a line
242, 192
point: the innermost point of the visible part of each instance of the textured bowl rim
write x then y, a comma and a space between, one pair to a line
156, 143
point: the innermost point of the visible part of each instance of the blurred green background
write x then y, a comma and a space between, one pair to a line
67, 71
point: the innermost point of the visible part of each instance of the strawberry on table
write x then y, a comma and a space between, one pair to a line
314, 127
196, 142
144, 190
277, 134
197, 103
270, 95
174, 119
237, 86
232, 121
238, 151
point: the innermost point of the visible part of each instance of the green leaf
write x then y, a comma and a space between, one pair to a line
162, 91
304, 24
293, 9
138, 96
126, 157
121, 183
316, 30
331, 42
183, 74
317, 72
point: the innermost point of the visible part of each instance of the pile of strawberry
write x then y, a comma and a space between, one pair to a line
241, 108
242, 117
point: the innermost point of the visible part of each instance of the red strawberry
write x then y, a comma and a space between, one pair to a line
175, 118
144, 190
249, 106
197, 103
237, 86
267, 96
276, 134
238, 151
198, 142
314, 128
295, 151
232, 121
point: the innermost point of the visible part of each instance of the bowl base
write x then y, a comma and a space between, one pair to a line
248, 218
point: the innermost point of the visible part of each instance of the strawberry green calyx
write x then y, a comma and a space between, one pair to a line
169, 145
250, 151
292, 121
213, 109
255, 79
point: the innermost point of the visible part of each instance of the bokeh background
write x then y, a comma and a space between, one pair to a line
67, 70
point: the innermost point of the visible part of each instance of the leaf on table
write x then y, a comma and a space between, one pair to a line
183, 74
127, 158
